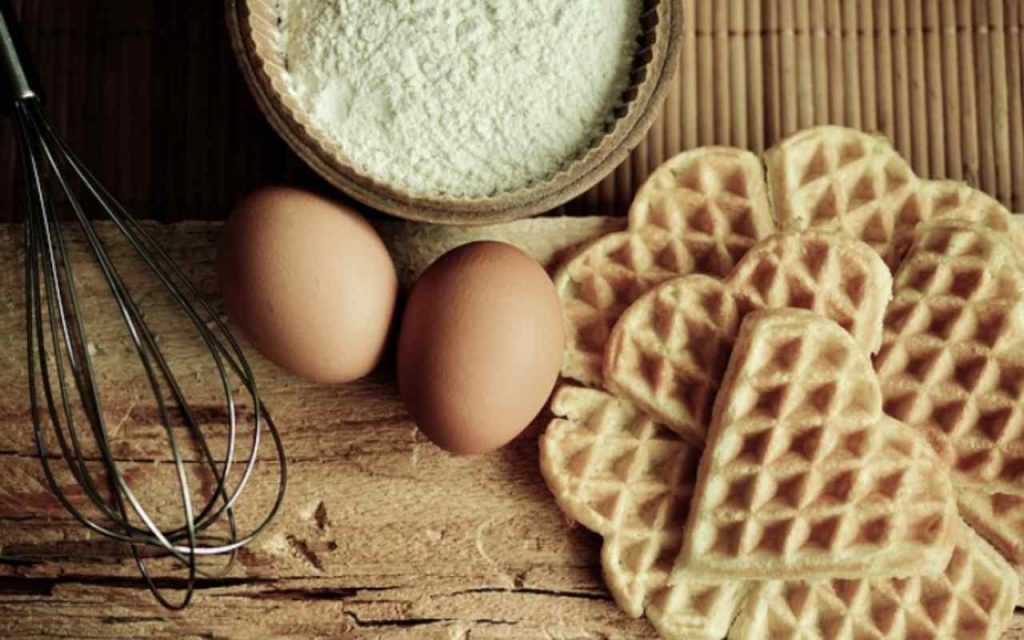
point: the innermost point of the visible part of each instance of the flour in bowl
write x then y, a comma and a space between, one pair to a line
460, 97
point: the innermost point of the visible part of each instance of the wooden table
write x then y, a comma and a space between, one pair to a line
382, 535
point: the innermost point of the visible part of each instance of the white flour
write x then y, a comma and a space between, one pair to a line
460, 97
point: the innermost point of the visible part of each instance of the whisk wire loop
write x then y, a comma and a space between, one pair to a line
59, 350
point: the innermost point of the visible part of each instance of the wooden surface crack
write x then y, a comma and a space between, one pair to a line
397, 622
382, 536
552, 593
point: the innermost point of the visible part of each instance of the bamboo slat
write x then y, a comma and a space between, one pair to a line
943, 79
148, 94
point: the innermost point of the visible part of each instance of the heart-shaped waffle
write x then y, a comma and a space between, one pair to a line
802, 475
668, 351
598, 283
714, 198
600, 442
618, 473
698, 212
997, 516
972, 598
952, 359
840, 179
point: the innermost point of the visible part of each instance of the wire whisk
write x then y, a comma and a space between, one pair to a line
64, 392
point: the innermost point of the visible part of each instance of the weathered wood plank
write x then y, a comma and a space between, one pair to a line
382, 534
433, 608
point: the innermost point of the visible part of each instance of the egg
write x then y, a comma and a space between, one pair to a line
480, 346
309, 283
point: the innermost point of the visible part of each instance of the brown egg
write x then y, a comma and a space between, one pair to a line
480, 346
309, 283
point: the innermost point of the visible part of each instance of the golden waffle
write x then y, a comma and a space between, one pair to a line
831, 274
952, 359
714, 198
997, 516
972, 599
618, 473
598, 283
803, 476
698, 212
668, 351
838, 179
950, 200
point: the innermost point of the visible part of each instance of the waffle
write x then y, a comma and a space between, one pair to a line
972, 599
698, 212
668, 351
838, 179
714, 198
997, 516
947, 200
952, 359
621, 475
831, 274
598, 283
803, 476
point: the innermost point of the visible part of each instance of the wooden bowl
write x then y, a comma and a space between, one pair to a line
252, 25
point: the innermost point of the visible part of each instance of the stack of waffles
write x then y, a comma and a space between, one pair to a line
798, 398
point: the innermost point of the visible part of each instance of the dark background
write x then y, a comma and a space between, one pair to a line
148, 93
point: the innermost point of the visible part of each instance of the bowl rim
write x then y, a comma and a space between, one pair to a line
589, 169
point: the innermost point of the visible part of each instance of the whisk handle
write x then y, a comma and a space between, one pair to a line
18, 84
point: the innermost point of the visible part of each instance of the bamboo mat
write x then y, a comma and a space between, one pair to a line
148, 92
941, 78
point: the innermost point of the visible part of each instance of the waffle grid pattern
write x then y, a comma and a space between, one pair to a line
997, 516
669, 350
698, 213
972, 598
803, 475
830, 274
838, 179
945, 199
953, 357
621, 475
714, 198
600, 282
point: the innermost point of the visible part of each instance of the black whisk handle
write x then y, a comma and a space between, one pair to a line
18, 79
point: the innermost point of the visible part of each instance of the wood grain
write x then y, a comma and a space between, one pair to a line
382, 535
